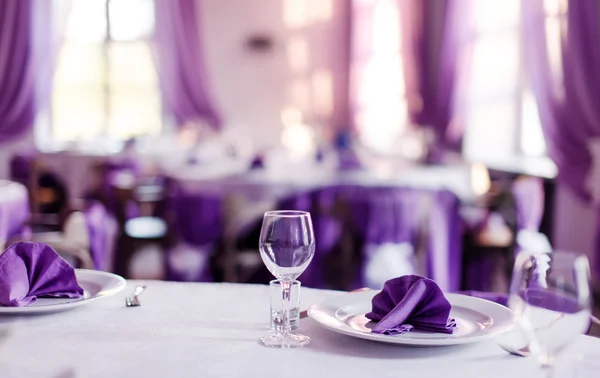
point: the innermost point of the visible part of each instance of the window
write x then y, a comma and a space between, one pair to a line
380, 108
502, 120
309, 101
499, 110
105, 85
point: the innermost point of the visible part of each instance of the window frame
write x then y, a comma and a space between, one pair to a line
44, 133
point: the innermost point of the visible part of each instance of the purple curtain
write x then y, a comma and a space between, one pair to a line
183, 76
435, 45
27, 56
567, 97
17, 85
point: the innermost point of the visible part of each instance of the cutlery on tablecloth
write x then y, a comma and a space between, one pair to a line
304, 314
134, 301
525, 352
521, 352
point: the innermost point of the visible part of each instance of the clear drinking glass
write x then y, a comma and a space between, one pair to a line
293, 310
550, 299
287, 245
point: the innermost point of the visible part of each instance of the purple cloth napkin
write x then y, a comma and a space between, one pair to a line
409, 302
32, 270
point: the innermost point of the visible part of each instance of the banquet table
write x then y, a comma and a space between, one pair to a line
419, 196
212, 330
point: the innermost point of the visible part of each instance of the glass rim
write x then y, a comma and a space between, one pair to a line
287, 213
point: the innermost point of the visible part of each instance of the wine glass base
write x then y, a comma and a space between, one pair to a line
291, 340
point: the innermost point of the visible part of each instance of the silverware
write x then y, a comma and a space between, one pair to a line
304, 314
521, 352
134, 300
525, 352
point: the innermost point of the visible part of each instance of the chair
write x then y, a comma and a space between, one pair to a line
72, 243
195, 225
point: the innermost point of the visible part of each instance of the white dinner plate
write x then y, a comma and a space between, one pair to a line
476, 319
96, 285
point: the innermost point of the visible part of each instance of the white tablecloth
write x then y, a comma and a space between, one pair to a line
212, 330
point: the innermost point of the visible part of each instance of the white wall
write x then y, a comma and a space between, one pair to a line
252, 87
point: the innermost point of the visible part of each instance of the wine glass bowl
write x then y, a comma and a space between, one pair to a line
550, 299
287, 246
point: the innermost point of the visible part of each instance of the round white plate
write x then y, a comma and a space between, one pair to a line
96, 285
476, 319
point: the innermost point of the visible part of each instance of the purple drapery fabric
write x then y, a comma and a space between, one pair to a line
529, 198
444, 245
17, 69
181, 66
567, 94
27, 57
198, 223
96, 219
434, 36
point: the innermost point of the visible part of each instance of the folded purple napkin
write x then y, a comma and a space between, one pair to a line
32, 270
409, 302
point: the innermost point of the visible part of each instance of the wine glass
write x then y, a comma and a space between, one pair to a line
550, 299
287, 245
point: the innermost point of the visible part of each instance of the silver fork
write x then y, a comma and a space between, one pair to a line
525, 352
521, 352
134, 300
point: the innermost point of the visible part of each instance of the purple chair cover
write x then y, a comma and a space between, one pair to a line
96, 219
20, 168
327, 229
32, 270
529, 198
197, 221
111, 171
386, 215
409, 302
444, 244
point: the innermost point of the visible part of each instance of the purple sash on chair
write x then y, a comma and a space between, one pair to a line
197, 222
380, 216
321, 204
98, 223
445, 241
20, 168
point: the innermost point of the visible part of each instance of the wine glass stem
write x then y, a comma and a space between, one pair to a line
286, 293
547, 365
